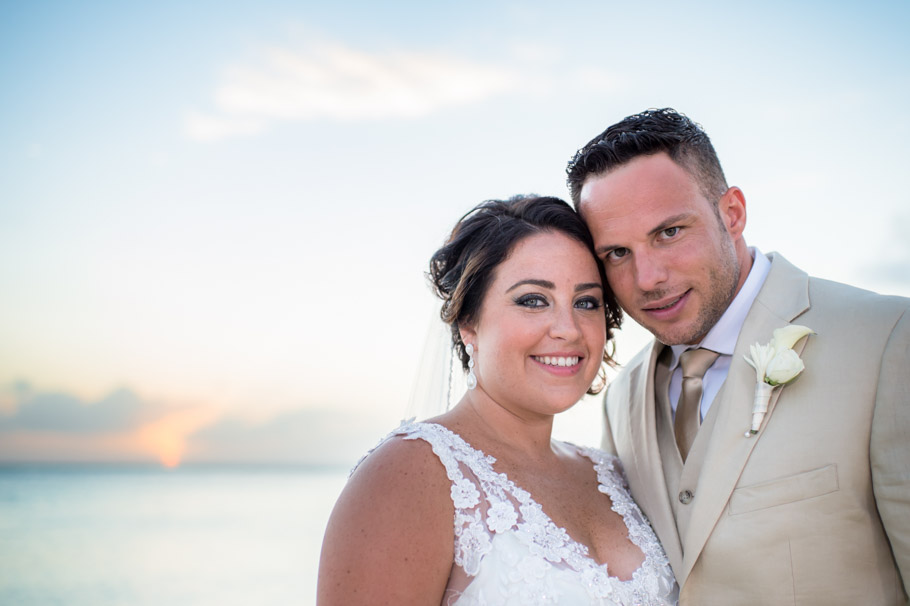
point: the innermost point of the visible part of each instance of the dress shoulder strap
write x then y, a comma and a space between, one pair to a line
481, 496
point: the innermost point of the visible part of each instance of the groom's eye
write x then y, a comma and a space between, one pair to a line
616, 253
670, 232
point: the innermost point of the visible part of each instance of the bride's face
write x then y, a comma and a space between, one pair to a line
539, 337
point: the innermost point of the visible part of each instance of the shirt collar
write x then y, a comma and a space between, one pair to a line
723, 335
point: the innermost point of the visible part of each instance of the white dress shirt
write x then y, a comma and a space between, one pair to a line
722, 336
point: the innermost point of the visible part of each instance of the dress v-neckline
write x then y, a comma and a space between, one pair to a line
522, 496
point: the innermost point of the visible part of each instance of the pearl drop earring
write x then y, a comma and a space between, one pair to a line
471, 380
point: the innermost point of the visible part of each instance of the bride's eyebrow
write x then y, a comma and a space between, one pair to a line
541, 283
551, 286
588, 286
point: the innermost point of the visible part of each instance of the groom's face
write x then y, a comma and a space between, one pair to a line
668, 252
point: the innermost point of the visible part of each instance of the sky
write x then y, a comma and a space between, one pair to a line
215, 218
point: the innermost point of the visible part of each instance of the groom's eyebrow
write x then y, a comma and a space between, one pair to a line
665, 224
670, 222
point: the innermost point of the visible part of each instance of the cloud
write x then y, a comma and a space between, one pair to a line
121, 426
315, 437
205, 127
121, 410
124, 427
332, 81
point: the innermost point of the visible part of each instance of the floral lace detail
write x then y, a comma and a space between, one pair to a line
537, 562
464, 494
501, 517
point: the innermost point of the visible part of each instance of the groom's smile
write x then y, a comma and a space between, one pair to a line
667, 308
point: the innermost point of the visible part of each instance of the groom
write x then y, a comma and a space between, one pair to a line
815, 507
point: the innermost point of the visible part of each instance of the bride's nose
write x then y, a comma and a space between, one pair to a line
564, 324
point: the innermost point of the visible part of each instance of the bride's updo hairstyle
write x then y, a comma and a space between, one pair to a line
462, 270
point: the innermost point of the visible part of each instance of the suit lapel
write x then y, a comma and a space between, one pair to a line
646, 475
783, 297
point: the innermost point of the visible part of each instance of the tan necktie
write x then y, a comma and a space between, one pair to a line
695, 363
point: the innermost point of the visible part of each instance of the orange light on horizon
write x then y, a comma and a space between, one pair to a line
167, 436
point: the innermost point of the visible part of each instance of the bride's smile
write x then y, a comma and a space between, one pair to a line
562, 361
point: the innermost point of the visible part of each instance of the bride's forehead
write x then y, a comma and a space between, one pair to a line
545, 251
553, 257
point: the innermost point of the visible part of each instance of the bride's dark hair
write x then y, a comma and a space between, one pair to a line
461, 271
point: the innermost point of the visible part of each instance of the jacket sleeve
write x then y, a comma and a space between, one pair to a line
890, 444
607, 444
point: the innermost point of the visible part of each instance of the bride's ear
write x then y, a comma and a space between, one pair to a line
468, 334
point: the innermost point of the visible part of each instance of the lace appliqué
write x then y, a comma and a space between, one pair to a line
537, 561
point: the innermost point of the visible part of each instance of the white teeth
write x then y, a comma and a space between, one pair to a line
558, 361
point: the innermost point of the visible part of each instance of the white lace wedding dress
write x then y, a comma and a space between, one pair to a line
508, 552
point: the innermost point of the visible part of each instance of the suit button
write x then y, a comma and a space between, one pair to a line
685, 497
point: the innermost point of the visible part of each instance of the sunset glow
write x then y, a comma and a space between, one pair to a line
166, 438
232, 205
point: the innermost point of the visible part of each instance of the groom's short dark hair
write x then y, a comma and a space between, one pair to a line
645, 134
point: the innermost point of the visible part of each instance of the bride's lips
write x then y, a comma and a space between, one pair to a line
562, 364
668, 308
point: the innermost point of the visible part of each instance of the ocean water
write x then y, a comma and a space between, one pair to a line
195, 536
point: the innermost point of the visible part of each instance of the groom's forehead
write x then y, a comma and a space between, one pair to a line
645, 184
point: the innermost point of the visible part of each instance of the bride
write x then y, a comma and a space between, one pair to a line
479, 505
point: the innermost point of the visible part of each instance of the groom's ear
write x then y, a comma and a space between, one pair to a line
732, 209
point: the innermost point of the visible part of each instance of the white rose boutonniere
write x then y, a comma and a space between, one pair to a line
775, 364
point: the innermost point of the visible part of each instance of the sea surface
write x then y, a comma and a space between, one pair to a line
134, 536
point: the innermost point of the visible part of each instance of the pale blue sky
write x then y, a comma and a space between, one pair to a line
229, 207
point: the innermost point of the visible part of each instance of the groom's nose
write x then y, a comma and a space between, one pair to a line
650, 270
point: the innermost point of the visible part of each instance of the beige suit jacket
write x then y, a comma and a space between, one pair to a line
815, 509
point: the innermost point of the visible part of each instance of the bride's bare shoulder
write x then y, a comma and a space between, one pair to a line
391, 534
403, 463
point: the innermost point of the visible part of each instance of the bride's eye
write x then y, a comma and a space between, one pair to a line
532, 301
588, 303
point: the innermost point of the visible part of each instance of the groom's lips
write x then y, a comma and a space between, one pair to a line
667, 309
